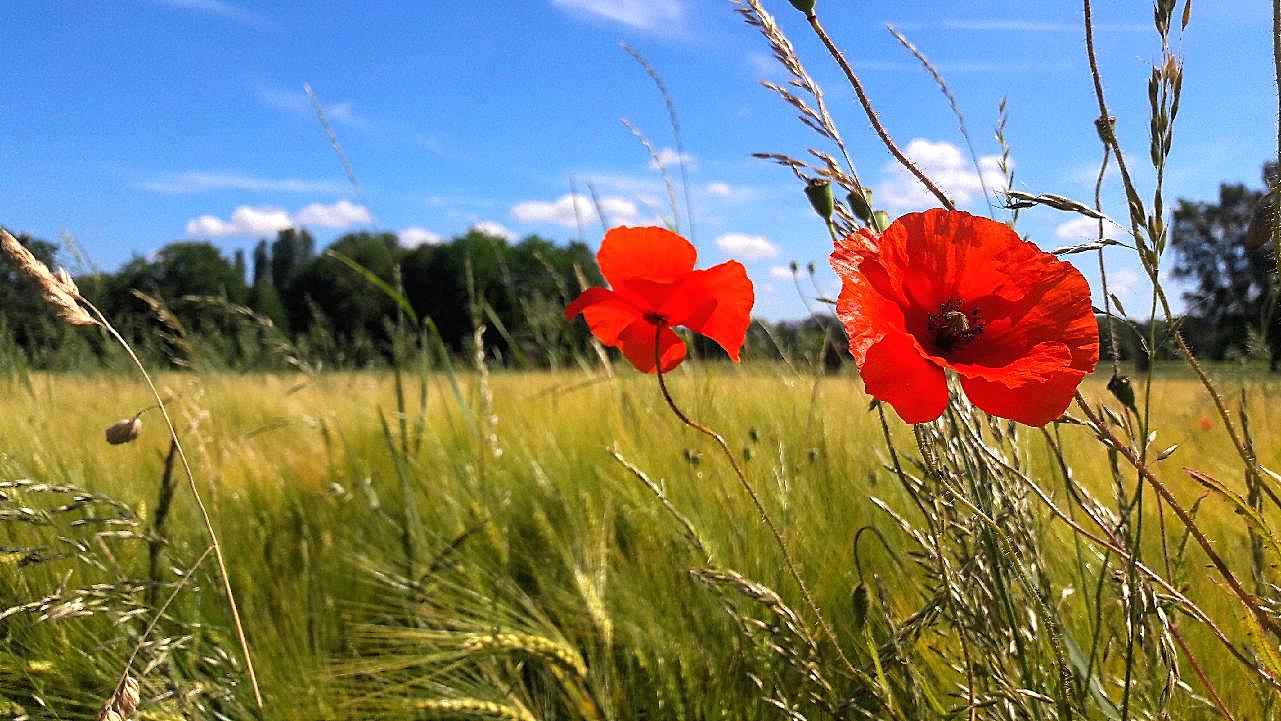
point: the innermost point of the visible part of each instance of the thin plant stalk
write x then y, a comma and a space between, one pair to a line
872, 116
200, 504
788, 561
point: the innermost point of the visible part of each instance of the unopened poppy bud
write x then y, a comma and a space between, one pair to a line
805, 6
820, 194
794, 266
880, 220
860, 202
811, 268
124, 430
1123, 390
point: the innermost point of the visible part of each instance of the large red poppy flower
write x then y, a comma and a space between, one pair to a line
949, 290
654, 285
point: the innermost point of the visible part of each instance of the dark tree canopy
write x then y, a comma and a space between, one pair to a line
1232, 304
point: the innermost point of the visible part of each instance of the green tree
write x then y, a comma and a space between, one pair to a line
1232, 305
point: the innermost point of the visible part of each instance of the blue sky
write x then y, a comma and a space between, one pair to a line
132, 123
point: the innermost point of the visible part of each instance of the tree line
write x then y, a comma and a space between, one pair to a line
350, 305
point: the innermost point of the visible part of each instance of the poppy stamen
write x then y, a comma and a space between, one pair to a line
952, 327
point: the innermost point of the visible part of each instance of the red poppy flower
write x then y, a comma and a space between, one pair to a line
654, 285
949, 290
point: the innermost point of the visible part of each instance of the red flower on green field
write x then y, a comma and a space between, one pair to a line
653, 288
946, 290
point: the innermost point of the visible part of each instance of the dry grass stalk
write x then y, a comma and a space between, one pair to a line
58, 289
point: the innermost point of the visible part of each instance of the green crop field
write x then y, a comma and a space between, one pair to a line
494, 550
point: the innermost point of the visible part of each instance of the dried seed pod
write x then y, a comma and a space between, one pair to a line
124, 431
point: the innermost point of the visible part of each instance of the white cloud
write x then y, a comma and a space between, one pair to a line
570, 209
342, 214
415, 236
746, 247
668, 157
719, 190
245, 220
945, 164
197, 181
651, 15
260, 220
781, 272
1083, 229
489, 227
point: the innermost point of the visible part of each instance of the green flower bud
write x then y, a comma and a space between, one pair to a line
1123, 390
820, 194
860, 202
805, 6
880, 221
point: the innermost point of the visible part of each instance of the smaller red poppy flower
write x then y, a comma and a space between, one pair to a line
949, 290
653, 288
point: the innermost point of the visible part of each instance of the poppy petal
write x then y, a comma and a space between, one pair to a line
637, 342
863, 309
1033, 390
895, 371
1032, 404
717, 303
607, 314
652, 253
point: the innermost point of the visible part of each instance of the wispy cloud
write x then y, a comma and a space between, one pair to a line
199, 181
570, 210
665, 16
260, 220
221, 9
343, 113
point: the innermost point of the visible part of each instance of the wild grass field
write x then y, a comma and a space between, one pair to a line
506, 558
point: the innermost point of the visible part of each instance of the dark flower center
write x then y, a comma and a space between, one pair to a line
952, 327
655, 318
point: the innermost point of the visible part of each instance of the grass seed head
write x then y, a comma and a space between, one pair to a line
59, 290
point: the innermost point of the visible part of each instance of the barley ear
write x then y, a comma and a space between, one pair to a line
59, 290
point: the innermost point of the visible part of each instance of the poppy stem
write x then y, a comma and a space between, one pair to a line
756, 500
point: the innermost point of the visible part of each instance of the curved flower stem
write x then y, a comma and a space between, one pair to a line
756, 500
871, 113
200, 504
